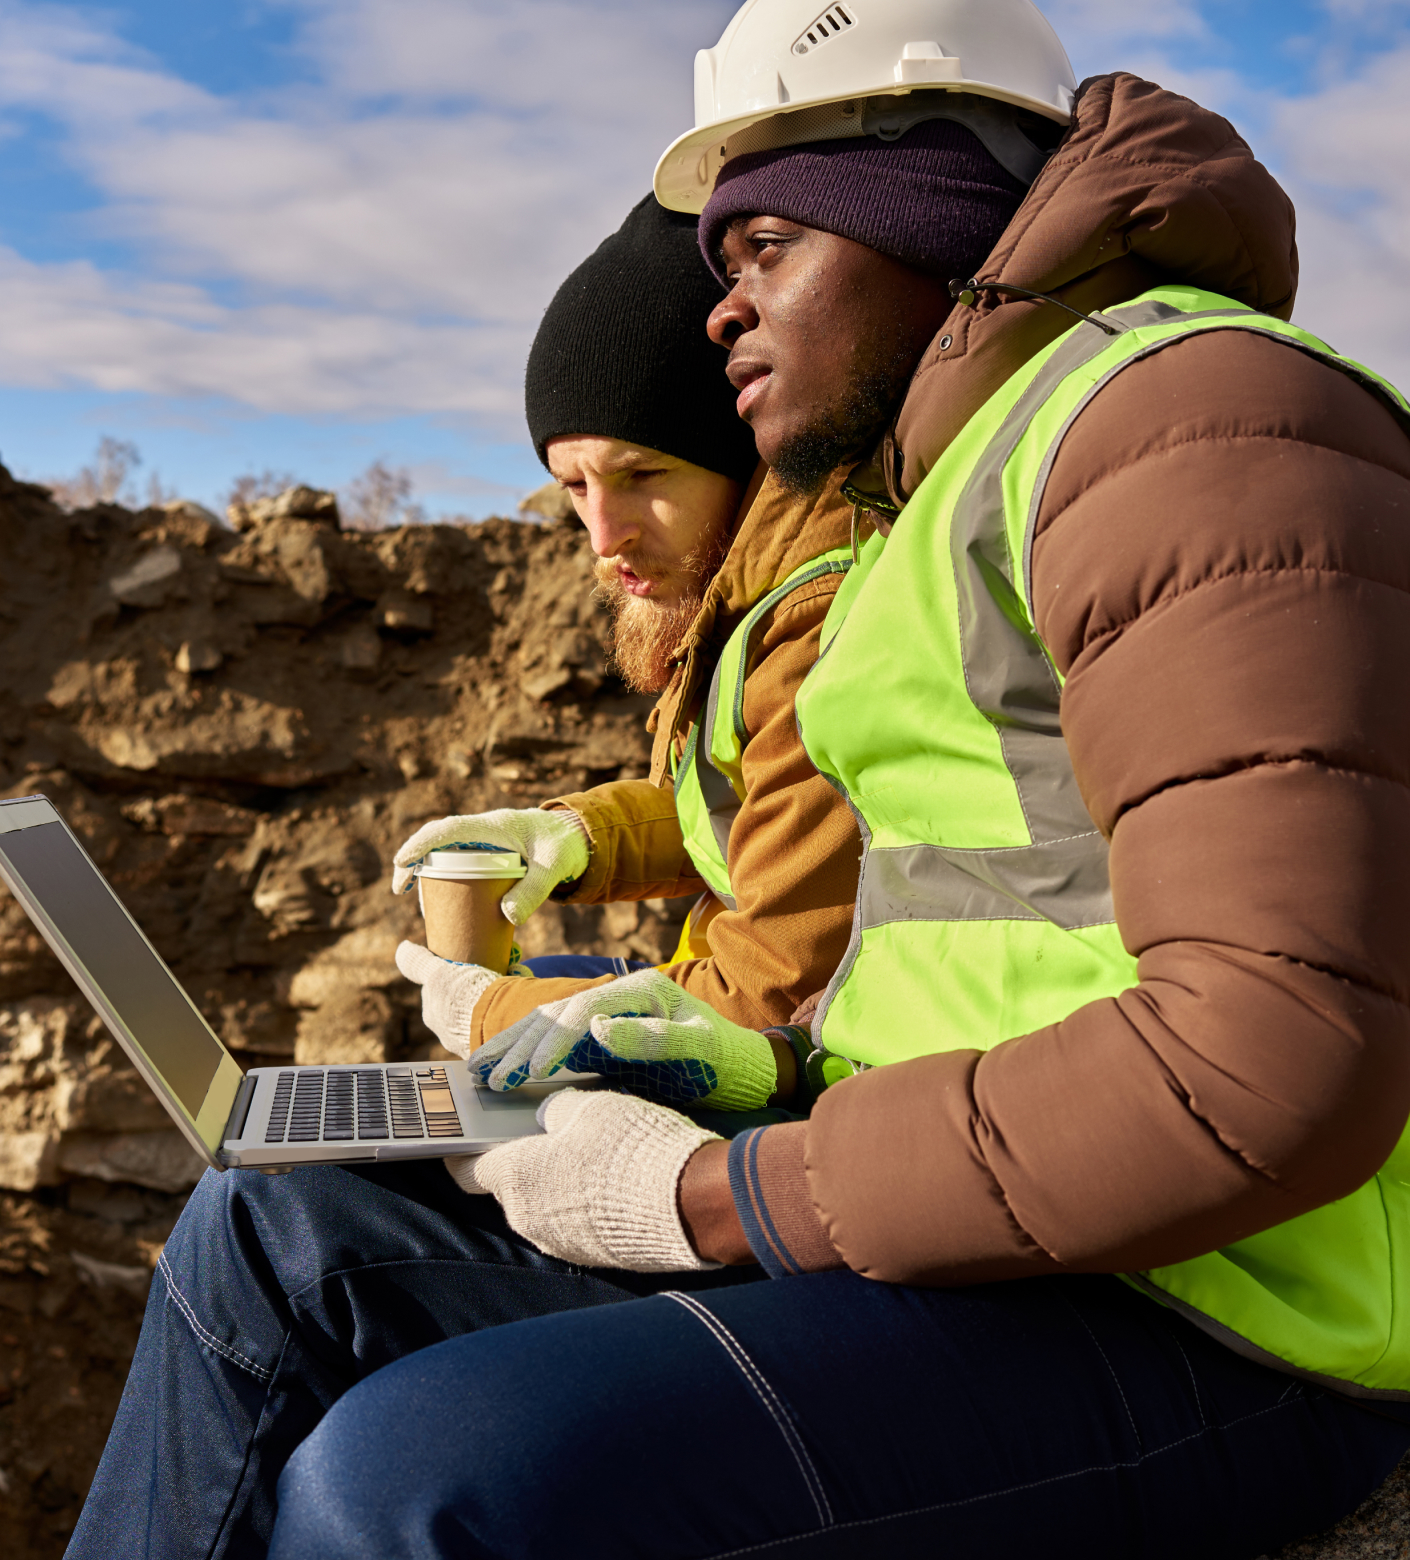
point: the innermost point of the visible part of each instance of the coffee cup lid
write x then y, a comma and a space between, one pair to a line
472, 864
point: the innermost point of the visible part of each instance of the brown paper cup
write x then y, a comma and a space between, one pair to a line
464, 922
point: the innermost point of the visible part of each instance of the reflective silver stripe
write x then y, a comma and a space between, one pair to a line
721, 803
1251, 1351
1010, 680
1067, 880
1007, 671
843, 971
704, 773
751, 624
1012, 683
1154, 312
1062, 877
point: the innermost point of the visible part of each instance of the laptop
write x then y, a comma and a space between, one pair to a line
271, 1118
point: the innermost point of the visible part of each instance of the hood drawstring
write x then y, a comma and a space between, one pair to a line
867, 503
966, 292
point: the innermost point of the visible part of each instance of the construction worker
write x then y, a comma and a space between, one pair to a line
1115, 691
719, 581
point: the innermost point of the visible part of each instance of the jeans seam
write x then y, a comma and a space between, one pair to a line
1194, 1384
204, 1335
394, 1262
766, 1395
1013, 1489
1130, 1417
238, 1484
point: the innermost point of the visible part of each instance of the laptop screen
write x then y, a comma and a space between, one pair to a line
135, 982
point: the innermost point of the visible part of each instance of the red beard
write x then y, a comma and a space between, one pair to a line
647, 629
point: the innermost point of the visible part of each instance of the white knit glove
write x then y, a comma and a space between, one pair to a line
449, 993
644, 1033
554, 846
599, 1186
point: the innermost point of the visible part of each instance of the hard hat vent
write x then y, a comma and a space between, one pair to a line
836, 19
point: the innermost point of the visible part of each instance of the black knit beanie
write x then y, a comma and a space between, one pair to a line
622, 351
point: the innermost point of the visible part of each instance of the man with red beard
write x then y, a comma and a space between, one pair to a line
718, 580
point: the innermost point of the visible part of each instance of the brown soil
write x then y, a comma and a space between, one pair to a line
242, 726
68, 1327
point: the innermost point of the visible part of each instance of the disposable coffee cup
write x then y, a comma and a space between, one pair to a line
460, 895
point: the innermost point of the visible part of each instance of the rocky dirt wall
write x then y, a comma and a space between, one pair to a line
242, 726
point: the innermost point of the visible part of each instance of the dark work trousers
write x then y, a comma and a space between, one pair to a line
368, 1364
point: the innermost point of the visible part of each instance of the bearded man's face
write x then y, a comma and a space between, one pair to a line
660, 528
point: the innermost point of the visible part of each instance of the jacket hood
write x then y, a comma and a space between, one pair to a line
1145, 187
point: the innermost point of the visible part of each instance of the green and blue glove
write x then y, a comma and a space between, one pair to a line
645, 1034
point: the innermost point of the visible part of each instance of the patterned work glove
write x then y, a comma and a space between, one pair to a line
646, 1035
553, 844
449, 993
599, 1187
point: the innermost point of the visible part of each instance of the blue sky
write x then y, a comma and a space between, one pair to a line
301, 235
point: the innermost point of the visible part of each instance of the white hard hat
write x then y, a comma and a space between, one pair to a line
784, 73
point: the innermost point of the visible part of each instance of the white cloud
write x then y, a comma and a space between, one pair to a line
1339, 149
391, 231
63, 326
1114, 22
381, 237
1374, 10
514, 139
1341, 154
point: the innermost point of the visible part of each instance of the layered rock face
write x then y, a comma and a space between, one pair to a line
242, 724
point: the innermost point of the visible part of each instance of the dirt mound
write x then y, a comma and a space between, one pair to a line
242, 725
73, 1282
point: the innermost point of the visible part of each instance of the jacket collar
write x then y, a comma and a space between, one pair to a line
776, 533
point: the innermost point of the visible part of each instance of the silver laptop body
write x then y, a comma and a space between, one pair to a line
271, 1117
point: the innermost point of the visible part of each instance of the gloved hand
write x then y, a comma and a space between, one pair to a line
449, 993
554, 846
599, 1187
644, 1033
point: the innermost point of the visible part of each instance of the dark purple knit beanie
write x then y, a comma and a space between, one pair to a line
934, 198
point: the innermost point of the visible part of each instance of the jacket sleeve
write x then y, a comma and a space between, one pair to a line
1221, 568
635, 838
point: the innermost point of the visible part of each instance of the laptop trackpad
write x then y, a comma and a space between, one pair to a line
532, 1093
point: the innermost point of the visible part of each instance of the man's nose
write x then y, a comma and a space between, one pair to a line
610, 527
731, 318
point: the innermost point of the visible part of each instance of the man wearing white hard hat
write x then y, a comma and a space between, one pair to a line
1115, 693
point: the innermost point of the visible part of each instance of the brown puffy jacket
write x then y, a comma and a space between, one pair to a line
794, 848
1220, 572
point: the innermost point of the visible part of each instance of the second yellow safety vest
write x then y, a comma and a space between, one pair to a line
709, 776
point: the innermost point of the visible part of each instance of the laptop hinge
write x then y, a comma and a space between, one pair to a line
235, 1127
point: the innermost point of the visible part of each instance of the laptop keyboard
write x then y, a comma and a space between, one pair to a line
362, 1104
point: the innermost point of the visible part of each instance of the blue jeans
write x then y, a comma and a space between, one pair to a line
368, 1363
581, 966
